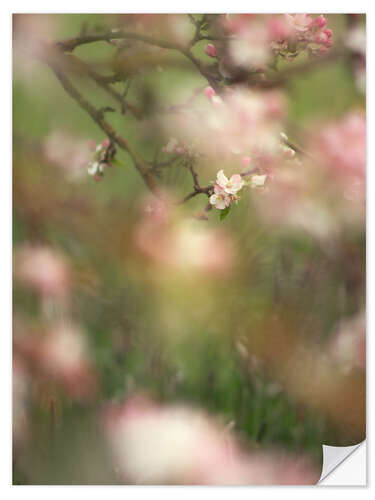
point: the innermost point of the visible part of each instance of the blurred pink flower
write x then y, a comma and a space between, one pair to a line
43, 269
310, 32
340, 148
64, 356
279, 28
32, 35
320, 21
250, 48
300, 22
239, 123
182, 245
209, 92
60, 355
68, 153
153, 444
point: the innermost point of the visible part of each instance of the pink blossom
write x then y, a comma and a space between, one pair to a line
251, 48
43, 269
171, 145
321, 38
220, 199
68, 153
300, 22
342, 146
182, 245
243, 123
320, 21
279, 28
210, 50
209, 92
64, 356
328, 32
32, 35
175, 444
230, 186
60, 356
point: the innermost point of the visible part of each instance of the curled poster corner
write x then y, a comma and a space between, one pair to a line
334, 456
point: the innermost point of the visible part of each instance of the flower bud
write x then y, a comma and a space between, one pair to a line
321, 21
210, 50
328, 32
321, 38
209, 92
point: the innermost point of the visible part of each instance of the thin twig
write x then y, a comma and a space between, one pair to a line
99, 119
101, 82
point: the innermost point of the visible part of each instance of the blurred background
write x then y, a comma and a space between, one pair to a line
145, 331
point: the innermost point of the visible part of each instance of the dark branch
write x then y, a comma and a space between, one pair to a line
68, 45
98, 118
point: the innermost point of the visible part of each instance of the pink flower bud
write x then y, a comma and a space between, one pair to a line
329, 43
246, 160
91, 144
321, 21
105, 143
321, 38
209, 92
323, 50
328, 32
210, 50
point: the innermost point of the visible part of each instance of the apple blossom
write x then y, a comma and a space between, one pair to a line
230, 186
300, 22
321, 21
220, 199
101, 158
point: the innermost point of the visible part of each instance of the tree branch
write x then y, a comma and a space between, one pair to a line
98, 117
68, 45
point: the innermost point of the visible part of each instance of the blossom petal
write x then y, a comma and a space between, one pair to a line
222, 203
213, 199
258, 180
222, 180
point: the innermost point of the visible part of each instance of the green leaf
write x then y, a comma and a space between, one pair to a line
115, 161
224, 213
